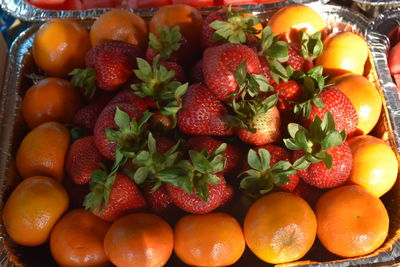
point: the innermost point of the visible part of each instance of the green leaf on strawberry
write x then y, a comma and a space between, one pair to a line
100, 189
236, 28
167, 42
311, 46
321, 136
261, 177
86, 79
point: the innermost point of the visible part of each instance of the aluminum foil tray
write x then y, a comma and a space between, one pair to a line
24, 11
375, 7
13, 130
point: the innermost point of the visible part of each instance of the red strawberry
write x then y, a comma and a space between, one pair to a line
163, 144
207, 32
220, 64
193, 204
86, 116
266, 126
288, 92
158, 201
232, 153
128, 96
322, 156
228, 195
196, 73
318, 175
124, 197
340, 107
265, 70
179, 73
170, 45
109, 65
82, 159
106, 120
296, 61
202, 113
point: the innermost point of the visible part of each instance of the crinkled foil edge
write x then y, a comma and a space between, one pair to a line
339, 19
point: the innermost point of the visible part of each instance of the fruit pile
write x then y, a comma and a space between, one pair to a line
90, 4
394, 55
233, 131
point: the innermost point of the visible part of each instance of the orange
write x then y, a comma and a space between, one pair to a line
77, 240
280, 227
344, 52
33, 208
288, 21
119, 26
214, 239
364, 97
139, 239
60, 46
351, 222
43, 150
51, 99
375, 165
188, 18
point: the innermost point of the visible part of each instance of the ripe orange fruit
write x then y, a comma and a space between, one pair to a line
77, 239
43, 150
288, 21
280, 227
139, 239
51, 99
375, 165
33, 208
188, 18
344, 52
351, 222
364, 97
60, 46
214, 239
119, 26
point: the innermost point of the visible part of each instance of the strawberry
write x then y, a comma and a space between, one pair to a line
158, 201
228, 195
175, 67
109, 65
196, 73
86, 116
163, 144
296, 61
82, 159
202, 113
265, 70
170, 45
233, 26
192, 203
114, 129
128, 96
160, 83
309, 193
219, 67
342, 110
264, 173
232, 153
263, 128
113, 196
288, 92
322, 156
76, 192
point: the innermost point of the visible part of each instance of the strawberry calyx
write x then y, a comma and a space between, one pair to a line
261, 177
167, 42
85, 79
311, 46
321, 136
236, 27
313, 83
276, 52
157, 82
129, 135
196, 174
149, 162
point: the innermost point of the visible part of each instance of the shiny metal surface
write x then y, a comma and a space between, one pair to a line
337, 19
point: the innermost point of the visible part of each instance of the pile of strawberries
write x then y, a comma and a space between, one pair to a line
188, 129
